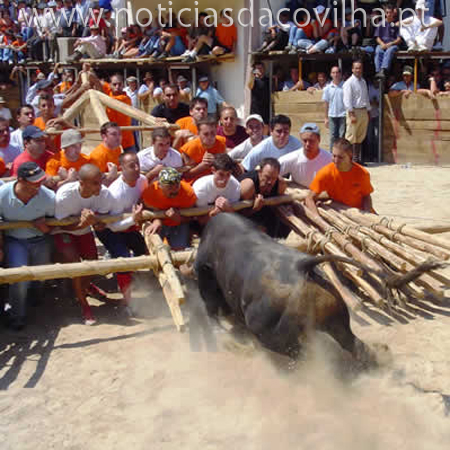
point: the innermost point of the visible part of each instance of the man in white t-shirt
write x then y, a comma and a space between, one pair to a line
25, 117
254, 126
123, 238
159, 155
304, 163
85, 197
220, 189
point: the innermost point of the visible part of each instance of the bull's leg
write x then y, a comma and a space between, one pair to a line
210, 291
276, 331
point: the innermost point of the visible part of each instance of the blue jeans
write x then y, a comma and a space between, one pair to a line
383, 58
27, 32
178, 48
120, 244
24, 252
337, 129
8, 55
295, 34
151, 45
178, 237
305, 44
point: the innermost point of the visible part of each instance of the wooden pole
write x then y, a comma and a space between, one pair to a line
75, 109
168, 279
86, 268
156, 214
171, 127
97, 107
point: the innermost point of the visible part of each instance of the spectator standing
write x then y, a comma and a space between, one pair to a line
211, 94
333, 96
357, 107
259, 85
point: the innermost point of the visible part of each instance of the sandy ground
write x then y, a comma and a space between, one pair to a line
138, 384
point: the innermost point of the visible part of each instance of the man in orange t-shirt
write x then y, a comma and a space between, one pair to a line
169, 193
117, 92
106, 155
198, 110
344, 180
225, 36
199, 153
66, 165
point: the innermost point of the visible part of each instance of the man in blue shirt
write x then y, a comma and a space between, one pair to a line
388, 40
25, 200
211, 94
333, 96
278, 144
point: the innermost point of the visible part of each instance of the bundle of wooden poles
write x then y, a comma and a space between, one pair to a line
387, 248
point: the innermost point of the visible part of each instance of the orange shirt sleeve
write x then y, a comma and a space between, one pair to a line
98, 158
52, 167
366, 185
2, 167
39, 122
194, 150
321, 181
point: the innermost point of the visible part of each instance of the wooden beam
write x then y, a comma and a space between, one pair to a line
97, 107
75, 109
171, 127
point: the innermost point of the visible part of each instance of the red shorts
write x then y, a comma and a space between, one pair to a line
84, 244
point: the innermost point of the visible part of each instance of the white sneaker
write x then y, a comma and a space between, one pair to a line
412, 47
422, 48
187, 52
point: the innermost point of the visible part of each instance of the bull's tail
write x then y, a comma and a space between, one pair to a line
393, 282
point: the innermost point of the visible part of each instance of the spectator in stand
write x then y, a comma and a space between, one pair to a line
150, 40
66, 83
277, 36
220, 188
170, 194
333, 96
172, 109
85, 198
295, 84
199, 40
24, 20
259, 85
52, 30
35, 141
323, 32
211, 94
106, 155
159, 155
233, 133
351, 30
278, 144
19, 48
185, 88
4, 112
406, 86
132, 91
303, 31
26, 199
388, 40
171, 41
66, 165
145, 92
67, 26
25, 117
225, 36
198, 110
82, 15
357, 107
122, 238
7, 50
94, 46
322, 83
123, 120
131, 42
344, 181
257, 185
8, 151
372, 138
157, 94
39, 38
254, 127
420, 30
198, 154
303, 164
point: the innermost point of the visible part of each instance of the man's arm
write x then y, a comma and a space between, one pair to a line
310, 202
367, 204
326, 121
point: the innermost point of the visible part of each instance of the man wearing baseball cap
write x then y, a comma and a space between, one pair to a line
66, 165
26, 199
406, 86
170, 193
211, 94
303, 164
34, 141
254, 126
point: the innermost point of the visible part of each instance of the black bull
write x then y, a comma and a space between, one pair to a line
278, 292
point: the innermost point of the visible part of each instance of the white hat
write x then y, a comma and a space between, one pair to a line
71, 137
420, 4
254, 117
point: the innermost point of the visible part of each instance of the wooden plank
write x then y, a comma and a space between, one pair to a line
298, 97
300, 108
97, 107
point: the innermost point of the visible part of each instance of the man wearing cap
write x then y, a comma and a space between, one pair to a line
357, 107
85, 198
303, 164
26, 199
32, 91
46, 87
185, 88
420, 30
211, 94
278, 144
66, 165
25, 116
146, 89
254, 127
404, 87
35, 142
94, 46
170, 193
344, 181
123, 120
198, 154
333, 97
388, 40
8, 152
153, 159
198, 110
233, 133
172, 109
